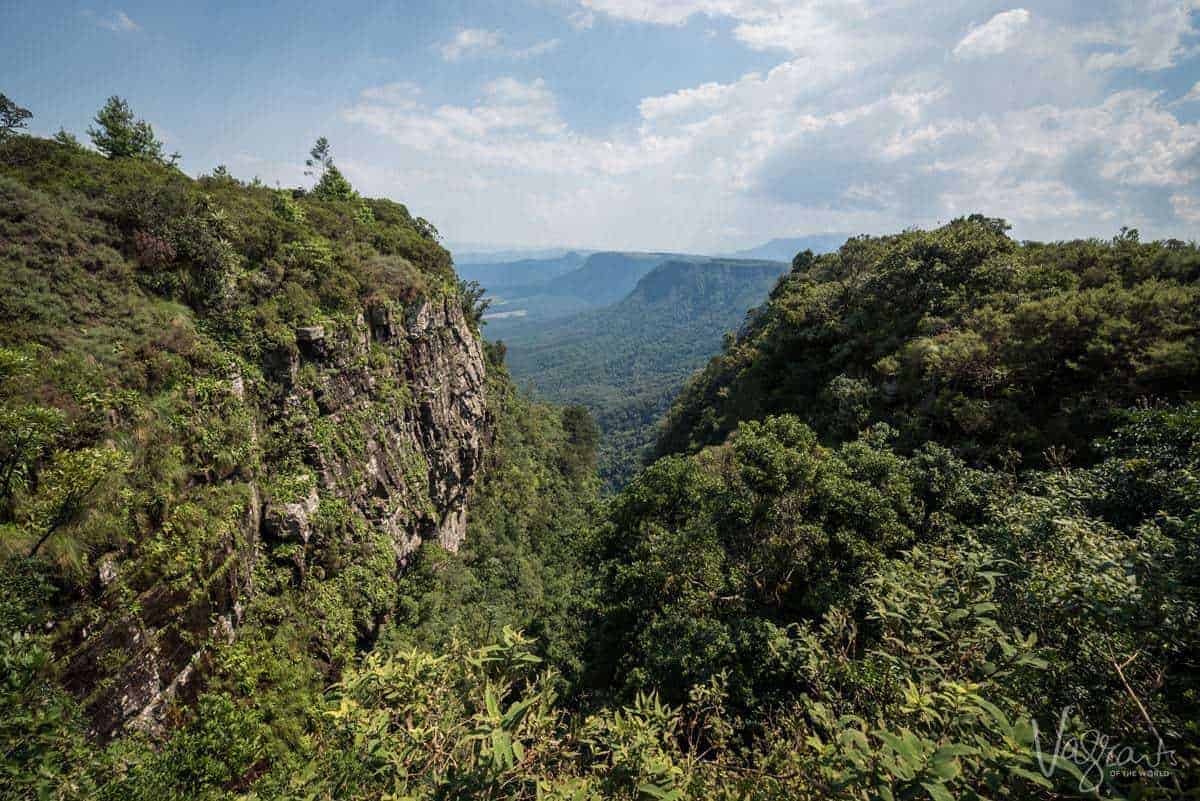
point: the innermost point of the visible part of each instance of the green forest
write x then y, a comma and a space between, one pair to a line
276, 522
626, 362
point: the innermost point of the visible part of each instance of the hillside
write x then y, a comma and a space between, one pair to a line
626, 362
238, 428
960, 336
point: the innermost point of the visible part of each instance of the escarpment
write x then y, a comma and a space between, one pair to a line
387, 410
400, 420
246, 409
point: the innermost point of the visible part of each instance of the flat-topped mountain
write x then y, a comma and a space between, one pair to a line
625, 362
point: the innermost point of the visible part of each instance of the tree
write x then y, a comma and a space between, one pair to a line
120, 135
221, 173
474, 304
64, 137
578, 457
333, 186
320, 158
12, 117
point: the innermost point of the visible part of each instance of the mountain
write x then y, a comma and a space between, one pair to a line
786, 249
625, 362
466, 254
231, 421
549, 291
497, 276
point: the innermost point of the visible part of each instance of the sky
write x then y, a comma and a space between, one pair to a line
687, 125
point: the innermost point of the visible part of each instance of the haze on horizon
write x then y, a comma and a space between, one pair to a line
687, 125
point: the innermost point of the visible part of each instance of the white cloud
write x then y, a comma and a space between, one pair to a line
508, 111
1192, 96
538, 49
864, 124
994, 36
1145, 35
1187, 208
118, 22
581, 19
478, 42
397, 93
470, 41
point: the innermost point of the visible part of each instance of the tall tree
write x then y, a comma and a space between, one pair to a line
118, 134
12, 117
320, 158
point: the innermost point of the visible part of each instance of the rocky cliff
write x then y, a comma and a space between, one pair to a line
229, 415
389, 412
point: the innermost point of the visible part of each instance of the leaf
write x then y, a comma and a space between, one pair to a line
946, 768
937, 792
955, 750
994, 711
516, 712
661, 793
1036, 778
502, 751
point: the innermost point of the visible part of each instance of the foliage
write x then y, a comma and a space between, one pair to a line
118, 134
1002, 351
12, 117
834, 583
65, 137
524, 561
626, 362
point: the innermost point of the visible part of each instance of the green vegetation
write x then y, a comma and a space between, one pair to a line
628, 361
1004, 352
118, 135
12, 117
936, 507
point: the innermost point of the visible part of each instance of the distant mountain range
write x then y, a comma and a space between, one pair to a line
539, 290
786, 249
478, 254
627, 361
509, 274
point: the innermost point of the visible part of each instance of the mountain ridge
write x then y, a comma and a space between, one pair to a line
625, 361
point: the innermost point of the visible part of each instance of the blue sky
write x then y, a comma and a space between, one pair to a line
699, 125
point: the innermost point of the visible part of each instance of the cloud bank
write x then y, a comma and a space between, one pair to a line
877, 115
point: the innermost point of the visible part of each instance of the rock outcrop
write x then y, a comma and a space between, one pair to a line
402, 419
388, 410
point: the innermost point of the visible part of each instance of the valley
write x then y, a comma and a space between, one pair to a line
295, 508
625, 362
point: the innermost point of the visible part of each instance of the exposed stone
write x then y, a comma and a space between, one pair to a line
133, 665
310, 333
420, 424
237, 385
311, 341
106, 568
291, 522
438, 359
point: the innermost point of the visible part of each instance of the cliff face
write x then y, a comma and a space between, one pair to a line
389, 414
401, 420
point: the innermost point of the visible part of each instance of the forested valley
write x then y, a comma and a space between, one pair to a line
276, 522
